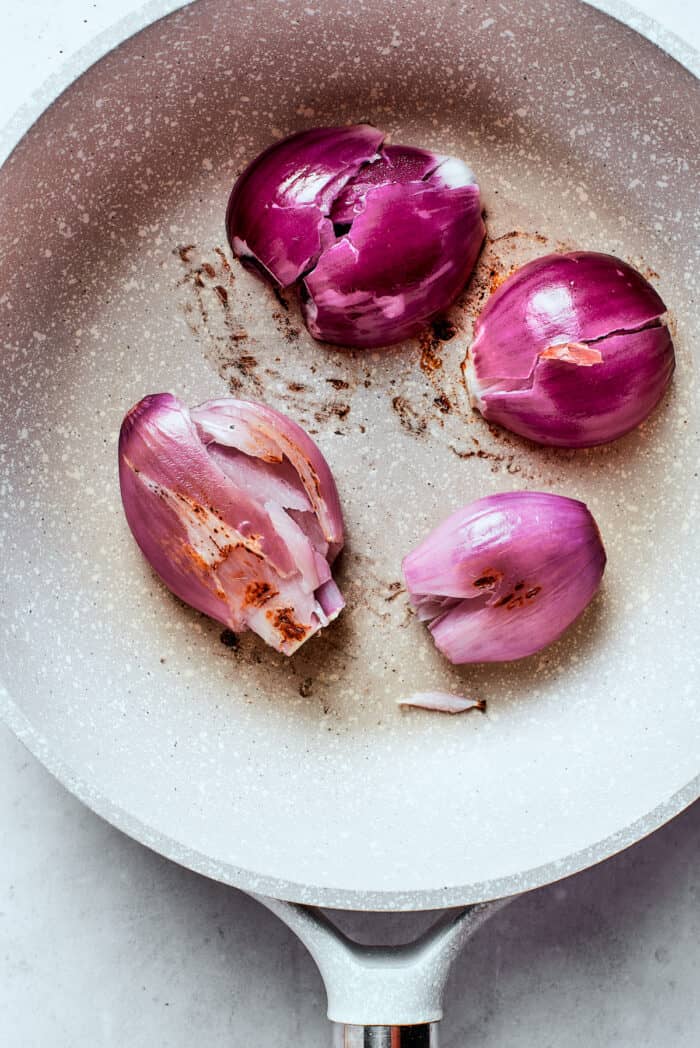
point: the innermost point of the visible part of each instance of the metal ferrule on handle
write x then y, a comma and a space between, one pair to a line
424, 1035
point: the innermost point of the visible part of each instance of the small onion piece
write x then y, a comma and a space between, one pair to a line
236, 509
571, 351
378, 238
505, 576
442, 702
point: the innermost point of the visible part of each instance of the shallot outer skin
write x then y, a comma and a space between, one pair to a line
236, 509
441, 702
279, 208
378, 238
504, 576
571, 351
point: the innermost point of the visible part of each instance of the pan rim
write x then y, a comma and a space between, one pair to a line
248, 880
26, 115
329, 896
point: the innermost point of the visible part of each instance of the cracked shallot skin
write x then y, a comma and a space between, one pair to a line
378, 239
506, 575
236, 509
571, 351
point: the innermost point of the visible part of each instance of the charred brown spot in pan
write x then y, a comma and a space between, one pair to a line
208, 280
283, 620
338, 383
409, 418
517, 234
229, 639
245, 365
395, 590
306, 687
334, 409
430, 359
497, 277
497, 459
367, 587
225, 265
442, 403
285, 326
443, 329
297, 387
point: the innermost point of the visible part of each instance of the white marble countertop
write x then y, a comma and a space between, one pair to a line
105, 944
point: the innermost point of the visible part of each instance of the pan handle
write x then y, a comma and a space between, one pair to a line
383, 996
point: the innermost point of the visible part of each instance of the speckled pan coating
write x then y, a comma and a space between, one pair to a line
301, 777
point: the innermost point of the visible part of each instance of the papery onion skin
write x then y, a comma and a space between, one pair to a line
504, 576
236, 509
570, 351
441, 702
381, 237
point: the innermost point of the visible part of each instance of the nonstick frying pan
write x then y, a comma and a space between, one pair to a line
300, 779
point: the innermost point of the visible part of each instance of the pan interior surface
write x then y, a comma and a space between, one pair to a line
301, 777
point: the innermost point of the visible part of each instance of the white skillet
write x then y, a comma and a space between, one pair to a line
300, 780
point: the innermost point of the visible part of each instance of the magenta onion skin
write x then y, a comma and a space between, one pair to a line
236, 509
278, 209
406, 257
506, 575
378, 238
570, 351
